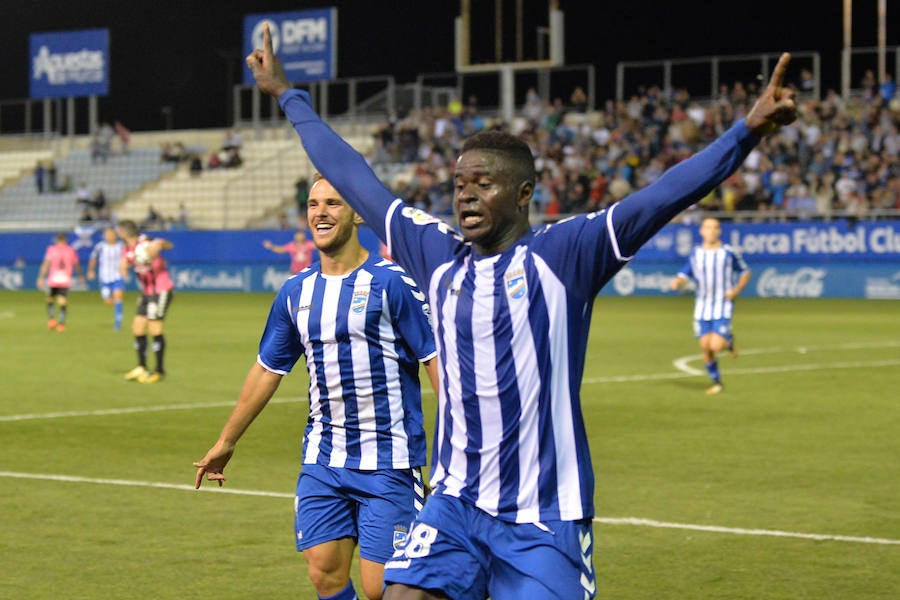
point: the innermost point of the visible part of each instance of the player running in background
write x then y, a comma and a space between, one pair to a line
107, 257
721, 275
156, 297
59, 261
363, 328
510, 514
300, 249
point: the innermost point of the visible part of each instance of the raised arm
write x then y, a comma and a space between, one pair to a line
637, 218
333, 157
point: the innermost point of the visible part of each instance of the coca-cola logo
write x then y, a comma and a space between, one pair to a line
805, 282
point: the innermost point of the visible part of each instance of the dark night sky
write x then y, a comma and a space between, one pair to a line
185, 53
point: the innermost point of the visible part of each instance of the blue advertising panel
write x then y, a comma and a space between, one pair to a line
772, 280
838, 240
69, 63
868, 265
305, 41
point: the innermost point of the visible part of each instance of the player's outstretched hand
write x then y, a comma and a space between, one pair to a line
213, 464
267, 69
775, 106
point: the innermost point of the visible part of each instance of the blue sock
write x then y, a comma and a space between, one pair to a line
118, 313
348, 593
713, 370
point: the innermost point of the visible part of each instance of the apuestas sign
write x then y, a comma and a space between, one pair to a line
69, 64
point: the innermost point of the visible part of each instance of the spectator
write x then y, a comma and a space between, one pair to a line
98, 203
124, 135
39, 172
83, 194
153, 220
233, 140
196, 165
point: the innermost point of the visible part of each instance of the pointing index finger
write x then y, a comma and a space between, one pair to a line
778, 74
267, 40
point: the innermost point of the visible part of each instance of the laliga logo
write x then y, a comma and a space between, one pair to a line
10, 279
257, 36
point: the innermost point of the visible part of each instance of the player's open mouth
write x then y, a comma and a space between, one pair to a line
324, 226
468, 218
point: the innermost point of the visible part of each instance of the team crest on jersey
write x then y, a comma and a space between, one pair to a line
418, 216
516, 286
400, 533
359, 301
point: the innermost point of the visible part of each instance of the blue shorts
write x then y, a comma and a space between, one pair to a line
721, 327
107, 289
466, 554
373, 507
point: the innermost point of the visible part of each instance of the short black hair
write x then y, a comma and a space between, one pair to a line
516, 150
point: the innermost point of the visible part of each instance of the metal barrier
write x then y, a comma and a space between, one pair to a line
714, 64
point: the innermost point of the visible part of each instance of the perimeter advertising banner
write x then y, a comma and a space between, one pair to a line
800, 260
839, 240
305, 41
69, 64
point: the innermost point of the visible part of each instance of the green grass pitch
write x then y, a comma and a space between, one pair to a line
95, 472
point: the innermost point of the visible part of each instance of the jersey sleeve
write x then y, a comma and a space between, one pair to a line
337, 161
740, 265
420, 242
350, 174
95, 251
581, 252
639, 216
687, 271
280, 346
411, 313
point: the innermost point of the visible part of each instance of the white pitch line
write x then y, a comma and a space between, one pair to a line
150, 484
7, 314
739, 531
634, 521
747, 371
131, 410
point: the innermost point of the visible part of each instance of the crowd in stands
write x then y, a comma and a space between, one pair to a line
835, 159
227, 157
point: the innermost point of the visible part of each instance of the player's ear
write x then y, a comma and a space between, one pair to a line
357, 220
526, 191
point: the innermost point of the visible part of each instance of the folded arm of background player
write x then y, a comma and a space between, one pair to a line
596, 247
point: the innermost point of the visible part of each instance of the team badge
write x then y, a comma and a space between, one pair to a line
359, 301
400, 533
516, 286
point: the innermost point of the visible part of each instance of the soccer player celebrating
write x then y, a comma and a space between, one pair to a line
107, 254
300, 249
721, 275
59, 261
510, 514
143, 255
363, 328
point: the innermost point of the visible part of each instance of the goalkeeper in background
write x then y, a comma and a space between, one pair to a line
156, 285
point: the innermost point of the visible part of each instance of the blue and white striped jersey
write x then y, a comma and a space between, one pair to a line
108, 257
512, 328
363, 336
715, 271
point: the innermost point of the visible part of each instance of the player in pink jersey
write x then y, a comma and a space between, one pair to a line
156, 296
59, 262
300, 249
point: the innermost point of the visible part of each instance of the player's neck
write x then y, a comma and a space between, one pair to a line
712, 245
344, 260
